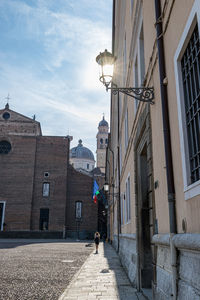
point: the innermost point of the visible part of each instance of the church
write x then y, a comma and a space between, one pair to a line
82, 158
41, 193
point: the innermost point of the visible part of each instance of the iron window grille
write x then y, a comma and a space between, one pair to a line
5, 147
78, 210
190, 65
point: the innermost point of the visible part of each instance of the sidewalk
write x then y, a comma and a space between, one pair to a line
101, 278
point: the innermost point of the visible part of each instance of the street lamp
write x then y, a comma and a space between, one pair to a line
106, 62
106, 187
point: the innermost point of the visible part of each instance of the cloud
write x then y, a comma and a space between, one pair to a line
58, 80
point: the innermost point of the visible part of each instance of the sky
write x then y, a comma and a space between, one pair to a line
47, 64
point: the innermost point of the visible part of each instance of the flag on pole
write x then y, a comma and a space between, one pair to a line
103, 198
95, 191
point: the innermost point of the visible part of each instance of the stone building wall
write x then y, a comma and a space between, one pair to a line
186, 263
128, 255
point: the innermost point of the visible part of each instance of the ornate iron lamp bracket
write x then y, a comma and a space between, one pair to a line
144, 94
113, 194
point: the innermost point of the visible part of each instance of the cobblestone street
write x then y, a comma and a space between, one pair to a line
38, 270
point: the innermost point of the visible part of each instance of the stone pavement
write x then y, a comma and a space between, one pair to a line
101, 278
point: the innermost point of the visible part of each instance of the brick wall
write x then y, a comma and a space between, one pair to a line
34, 160
16, 182
51, 158
18, 124
22, 177
80, 189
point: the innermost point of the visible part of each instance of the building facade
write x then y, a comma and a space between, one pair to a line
37, 194
153, 164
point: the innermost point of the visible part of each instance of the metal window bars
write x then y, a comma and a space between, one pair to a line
190, 65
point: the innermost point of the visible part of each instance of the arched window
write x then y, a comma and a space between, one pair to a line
46, 189
101, 141
5, 147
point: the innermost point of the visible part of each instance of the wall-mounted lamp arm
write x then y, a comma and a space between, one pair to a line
106, 62
144, 94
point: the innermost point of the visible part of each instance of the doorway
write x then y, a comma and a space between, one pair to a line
145, 267
2, 214
44, 219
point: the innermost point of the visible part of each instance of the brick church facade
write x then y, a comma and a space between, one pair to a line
39, 191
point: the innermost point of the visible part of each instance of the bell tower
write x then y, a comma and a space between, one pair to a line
102, 142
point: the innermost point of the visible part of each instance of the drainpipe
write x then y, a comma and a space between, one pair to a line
112, 185
167, 144
118, 154
118, 169
107, 179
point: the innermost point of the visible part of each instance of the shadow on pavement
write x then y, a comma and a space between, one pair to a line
125, 290
14, 243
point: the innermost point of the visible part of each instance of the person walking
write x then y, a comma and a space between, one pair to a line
97, 240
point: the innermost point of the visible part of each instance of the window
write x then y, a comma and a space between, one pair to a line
46, 188
6, 116
132, 5
121, 101
106, 141
88, 166
128, 200
124, 62
101, 141
46, 174
141, 56
78, 210
187, 74
126, 136
2, 214
5, 147
190, 67
136, 72
120, 157
122, 210
136, 81
139, 62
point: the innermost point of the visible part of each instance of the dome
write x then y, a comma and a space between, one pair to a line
81, 152
103, 122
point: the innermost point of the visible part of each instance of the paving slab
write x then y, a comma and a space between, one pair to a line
101, 277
